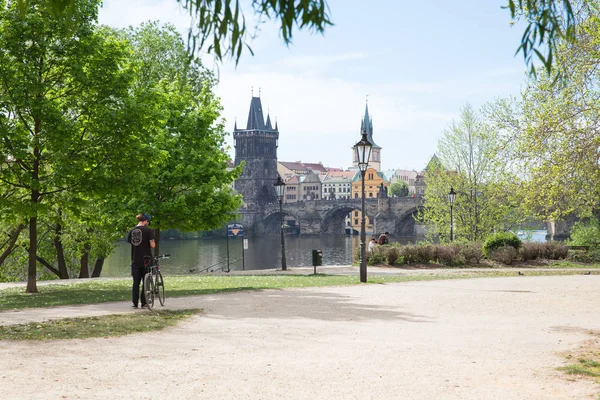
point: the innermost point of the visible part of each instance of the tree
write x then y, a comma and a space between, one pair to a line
471, 161
64, 116
398, 189
556, 130
221, 26
186, 184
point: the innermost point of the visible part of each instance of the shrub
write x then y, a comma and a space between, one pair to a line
532, 251
505, 255
581, 256
586, 233
377, 256
556, 250
471, 252
449, 255
501, 239
425, 253
393, 254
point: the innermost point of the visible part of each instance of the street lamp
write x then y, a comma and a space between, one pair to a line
451, 198
280, 189
363, 153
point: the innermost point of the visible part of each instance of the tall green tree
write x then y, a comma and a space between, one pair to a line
472, 161
64, 112
398, 189
185, 183
555, 127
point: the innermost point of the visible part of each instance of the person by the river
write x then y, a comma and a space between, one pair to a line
142, 242
372, 244
383, 238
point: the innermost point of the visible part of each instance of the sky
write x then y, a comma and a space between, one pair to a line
415, 63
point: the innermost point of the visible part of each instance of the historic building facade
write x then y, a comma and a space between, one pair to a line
257, 147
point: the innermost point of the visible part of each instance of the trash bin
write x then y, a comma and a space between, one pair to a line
317, 258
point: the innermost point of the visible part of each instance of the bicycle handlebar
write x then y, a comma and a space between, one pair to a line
161, 257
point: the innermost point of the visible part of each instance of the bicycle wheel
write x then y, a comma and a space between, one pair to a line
149, 290
159, 288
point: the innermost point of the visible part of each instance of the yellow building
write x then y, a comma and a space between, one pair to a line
373, 182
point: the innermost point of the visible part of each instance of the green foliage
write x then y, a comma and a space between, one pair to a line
223, 25
186, 184
398, 189
501, 239
472, 160
549, 22
586, 233
554, 131
503, 254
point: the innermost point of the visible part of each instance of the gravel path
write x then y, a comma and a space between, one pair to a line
491, 338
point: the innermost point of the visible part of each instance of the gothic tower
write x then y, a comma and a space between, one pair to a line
375, 160
256, 146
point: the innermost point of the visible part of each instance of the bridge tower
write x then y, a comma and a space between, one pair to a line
367, 124
257, 147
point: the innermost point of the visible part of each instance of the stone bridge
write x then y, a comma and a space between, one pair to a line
318, 217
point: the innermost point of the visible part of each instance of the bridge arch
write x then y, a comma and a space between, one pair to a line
270, 224
405, 223
334, 219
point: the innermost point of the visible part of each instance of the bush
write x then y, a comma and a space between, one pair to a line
377, 256
581, 256
449, 255
393, 254
532, 251
471, 252
556, 250
501, 239
505, 255
586, 233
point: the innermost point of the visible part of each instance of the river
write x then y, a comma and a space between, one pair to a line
191, 256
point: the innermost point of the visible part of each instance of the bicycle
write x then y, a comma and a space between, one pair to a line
154, 285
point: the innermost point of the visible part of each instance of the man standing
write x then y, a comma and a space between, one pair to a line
142, 242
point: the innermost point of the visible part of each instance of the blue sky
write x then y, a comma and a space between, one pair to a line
418, 62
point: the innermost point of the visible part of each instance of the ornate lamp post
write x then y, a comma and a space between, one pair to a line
451, 198
363, 153
280, 189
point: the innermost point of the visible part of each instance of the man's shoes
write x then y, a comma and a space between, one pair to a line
143, 305
135, 306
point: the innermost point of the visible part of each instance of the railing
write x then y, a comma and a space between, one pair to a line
214, 267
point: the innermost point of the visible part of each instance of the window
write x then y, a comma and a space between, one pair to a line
356, 195
355, 222
370, 194
356, 213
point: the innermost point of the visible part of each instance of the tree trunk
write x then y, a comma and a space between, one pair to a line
85, 271
32, 270
156, 241
14, 236
98, 267
63, 273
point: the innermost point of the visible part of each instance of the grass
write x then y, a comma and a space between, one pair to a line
90, 327
101, 291
585, 361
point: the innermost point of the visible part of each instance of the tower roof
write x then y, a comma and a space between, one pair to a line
255, 115
367, 124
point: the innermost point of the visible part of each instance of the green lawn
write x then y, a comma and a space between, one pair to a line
100, 291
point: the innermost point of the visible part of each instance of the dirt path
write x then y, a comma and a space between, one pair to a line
495, 338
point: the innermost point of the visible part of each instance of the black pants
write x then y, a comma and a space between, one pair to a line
137, 272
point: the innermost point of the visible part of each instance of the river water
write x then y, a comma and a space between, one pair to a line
192, 256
